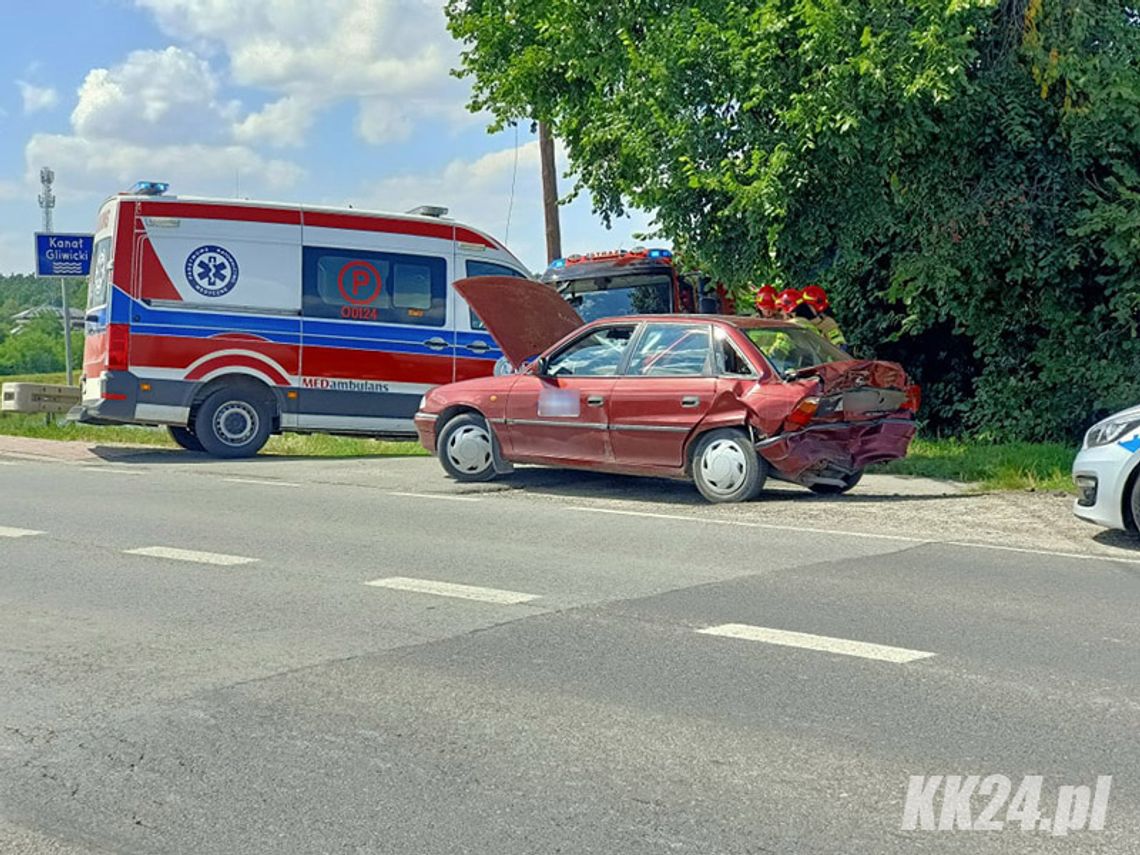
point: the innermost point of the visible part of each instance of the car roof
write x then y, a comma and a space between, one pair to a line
741, 322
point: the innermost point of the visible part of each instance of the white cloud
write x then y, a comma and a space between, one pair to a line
102, 167
392, 56
37, 98
478, 192
154, 97
282, 122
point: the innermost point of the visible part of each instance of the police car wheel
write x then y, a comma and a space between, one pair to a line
849, 482
466, 448
184, 438
726, 467
232, 423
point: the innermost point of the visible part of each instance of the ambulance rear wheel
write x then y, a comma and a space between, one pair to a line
232, 422
185, 438
466, 448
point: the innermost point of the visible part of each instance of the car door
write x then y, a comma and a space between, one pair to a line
561, 414
668, 386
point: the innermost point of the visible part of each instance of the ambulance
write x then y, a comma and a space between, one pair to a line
229, 320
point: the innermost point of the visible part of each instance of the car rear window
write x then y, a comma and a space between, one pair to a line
792, 348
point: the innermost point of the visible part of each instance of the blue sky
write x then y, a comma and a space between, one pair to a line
323, 101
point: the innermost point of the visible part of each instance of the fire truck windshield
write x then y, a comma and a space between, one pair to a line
593, 299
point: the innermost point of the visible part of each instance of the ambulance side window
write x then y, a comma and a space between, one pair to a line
381, 287
488, 268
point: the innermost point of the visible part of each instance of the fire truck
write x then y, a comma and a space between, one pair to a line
633, 282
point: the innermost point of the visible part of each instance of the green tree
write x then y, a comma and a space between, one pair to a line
962, 175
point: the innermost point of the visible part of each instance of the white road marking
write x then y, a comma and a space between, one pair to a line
748, 524
446, 498
450, 589
7, 462
17, 532
87, 467
264, 481
822, 643
190, 555
796, 529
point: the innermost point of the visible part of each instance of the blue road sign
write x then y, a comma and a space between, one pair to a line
63, 255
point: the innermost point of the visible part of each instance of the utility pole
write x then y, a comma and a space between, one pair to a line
47, 203
549, 193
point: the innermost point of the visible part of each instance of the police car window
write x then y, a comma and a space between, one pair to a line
488, 268
598, 354
672, 350
375, 287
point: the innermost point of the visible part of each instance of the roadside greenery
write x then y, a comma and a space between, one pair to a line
962, 175
990, 466
38, 345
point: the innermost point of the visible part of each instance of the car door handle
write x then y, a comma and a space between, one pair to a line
435, 343
690, 401
595, 400
478, 346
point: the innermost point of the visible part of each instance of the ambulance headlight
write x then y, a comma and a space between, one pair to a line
422, 404
503, 367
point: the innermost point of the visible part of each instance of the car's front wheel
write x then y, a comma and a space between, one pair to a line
726, 467
849, 482
466, 448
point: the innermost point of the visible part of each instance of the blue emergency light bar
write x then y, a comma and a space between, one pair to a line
611, 255
150, 188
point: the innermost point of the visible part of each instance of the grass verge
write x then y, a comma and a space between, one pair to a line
290, 444
1005, 466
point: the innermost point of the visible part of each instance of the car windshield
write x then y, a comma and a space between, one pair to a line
792, 348
593, 300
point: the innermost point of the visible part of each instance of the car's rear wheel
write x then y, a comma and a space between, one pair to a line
726, 468
466, 448
233, 422
184, 437
849, 482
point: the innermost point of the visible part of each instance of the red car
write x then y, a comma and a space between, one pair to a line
725, 401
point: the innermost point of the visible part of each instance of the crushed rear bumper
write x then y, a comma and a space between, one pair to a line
842, 446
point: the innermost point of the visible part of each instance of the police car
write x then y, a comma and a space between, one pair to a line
1106, 471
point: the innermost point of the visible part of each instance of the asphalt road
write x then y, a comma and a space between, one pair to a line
193, 660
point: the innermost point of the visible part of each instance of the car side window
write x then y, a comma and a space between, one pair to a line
488, 268
598, 354
730, 360
672, 350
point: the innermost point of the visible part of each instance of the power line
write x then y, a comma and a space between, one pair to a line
514, 179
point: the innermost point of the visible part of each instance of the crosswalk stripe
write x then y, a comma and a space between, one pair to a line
191, 555
450, 589
821, 643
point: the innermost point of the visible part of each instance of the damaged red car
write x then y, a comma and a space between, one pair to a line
724, 401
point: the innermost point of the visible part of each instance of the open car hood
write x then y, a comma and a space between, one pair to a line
523, 317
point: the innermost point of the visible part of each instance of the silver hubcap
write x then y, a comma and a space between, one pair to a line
469, 449
236, 422
723, 466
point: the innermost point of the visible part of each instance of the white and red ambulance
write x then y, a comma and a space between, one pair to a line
231, 320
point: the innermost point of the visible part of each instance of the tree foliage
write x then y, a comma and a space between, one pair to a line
962, 175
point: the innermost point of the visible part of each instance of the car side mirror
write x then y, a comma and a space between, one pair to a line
538, 367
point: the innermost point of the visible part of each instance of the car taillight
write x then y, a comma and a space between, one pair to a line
913, 398
118, 347
802, 414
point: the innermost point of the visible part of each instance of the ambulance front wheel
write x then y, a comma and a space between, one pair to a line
466, 448
232, 422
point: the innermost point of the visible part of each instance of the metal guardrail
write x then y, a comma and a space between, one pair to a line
37, 398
